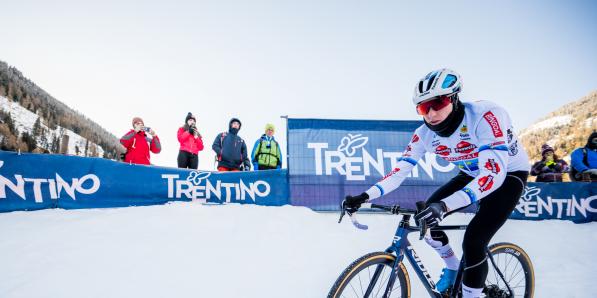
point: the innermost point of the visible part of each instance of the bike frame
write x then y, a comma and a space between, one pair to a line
402, 248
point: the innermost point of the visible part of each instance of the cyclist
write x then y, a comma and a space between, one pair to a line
479, 139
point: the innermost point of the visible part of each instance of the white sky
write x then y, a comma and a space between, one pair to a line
257, 60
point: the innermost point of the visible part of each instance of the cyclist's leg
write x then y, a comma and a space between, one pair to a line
439, 240
493, 212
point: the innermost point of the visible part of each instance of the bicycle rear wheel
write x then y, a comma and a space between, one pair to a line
371, 273
517, 269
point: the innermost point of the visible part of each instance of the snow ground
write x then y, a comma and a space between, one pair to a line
194, 250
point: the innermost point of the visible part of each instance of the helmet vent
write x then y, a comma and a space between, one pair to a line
431, 80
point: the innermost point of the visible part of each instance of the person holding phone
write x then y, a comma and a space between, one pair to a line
190, 143
138, 143
550, 168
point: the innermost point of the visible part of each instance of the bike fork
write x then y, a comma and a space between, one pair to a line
499, 273
391, 280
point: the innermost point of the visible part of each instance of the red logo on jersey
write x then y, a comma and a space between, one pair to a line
493, 166
485, 183
443, 150
415, 138
493, 122
394, 171
464, 147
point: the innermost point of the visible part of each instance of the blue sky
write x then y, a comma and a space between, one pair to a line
257, 60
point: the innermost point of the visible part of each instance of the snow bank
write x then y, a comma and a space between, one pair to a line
193, 250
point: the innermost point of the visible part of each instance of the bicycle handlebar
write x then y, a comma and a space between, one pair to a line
395, 209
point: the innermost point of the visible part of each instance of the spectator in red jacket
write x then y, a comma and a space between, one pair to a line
138, 143
190, 144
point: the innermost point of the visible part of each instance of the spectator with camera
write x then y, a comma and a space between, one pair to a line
191, 143
266, 153
584, 161
138, 143
550, 168
231, 150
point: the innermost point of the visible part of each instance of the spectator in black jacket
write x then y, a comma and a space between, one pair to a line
231, 150
550, 167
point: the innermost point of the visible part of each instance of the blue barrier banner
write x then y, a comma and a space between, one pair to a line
39, 181
329, 159
575, 201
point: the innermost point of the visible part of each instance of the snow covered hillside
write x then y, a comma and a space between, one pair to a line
24, 121
565, 129
194, 250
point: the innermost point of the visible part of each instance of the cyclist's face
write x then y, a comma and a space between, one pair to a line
434, 117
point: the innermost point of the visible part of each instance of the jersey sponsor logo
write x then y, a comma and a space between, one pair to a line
462, 157
394, 171
495, 125
464, 147
492, 166
510, 134
485, 183
464, 129
464, 133
443, 150
415, 138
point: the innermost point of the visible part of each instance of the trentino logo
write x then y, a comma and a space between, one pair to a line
352, 159
56, 187
198, 186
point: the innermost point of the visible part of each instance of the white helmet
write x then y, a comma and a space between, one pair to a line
436, 83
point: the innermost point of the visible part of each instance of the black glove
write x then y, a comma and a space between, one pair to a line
433, 214
352, 203
191, 129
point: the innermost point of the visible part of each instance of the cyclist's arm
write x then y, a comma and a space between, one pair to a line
493, 160
406, 163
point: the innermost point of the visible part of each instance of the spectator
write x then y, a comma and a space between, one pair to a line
190, 143
584, 161
550, 167
138, 144
266, 153
231, 150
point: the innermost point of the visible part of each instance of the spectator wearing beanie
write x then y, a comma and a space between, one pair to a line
584, 161
266, 153
138, 144
231, 150
550, 167
190, 143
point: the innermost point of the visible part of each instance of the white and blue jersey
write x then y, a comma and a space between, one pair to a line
484, 146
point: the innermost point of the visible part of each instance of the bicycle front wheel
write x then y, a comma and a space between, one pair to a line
369, 275
517, 269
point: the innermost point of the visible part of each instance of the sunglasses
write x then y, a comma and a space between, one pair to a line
436, 104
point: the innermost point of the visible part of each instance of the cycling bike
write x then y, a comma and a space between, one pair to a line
383, 274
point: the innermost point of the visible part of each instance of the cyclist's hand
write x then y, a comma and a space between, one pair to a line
433, 214
352, 203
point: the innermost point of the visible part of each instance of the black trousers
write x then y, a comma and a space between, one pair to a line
492, 213
187, 160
